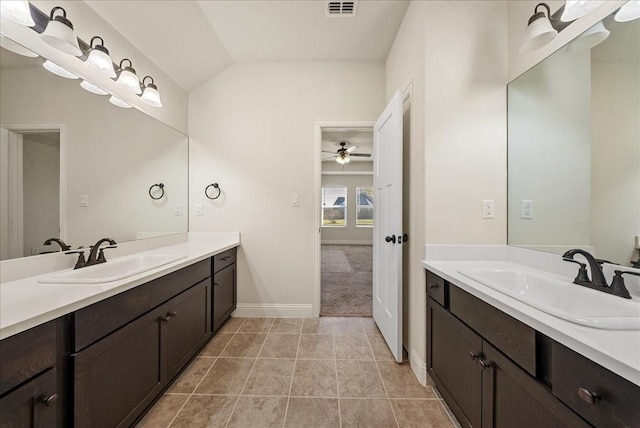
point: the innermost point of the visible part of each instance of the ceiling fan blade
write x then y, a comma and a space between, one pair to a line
330, 157
352, 148
325, 151
366, 155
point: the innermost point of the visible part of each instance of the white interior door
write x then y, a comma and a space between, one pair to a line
387, 225
11, 226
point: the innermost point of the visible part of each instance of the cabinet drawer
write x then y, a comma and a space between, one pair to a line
617, 399
26, 354
98, 320
222, 260
437, 288
512, 337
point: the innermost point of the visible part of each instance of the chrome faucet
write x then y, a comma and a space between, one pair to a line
597, 281
60, 242
96, 257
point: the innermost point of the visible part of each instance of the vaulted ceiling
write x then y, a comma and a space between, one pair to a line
195, 40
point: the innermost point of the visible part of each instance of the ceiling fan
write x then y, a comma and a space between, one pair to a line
343, 154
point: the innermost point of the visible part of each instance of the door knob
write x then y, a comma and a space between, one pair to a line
391, 238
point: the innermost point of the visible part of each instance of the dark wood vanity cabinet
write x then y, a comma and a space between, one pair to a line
32, 404
224, 287
490, 368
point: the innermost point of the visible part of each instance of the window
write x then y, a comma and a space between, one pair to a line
334, 206
364, 206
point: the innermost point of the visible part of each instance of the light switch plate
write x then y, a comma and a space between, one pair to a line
295, 200
526, 209
488, 208
177, 210
84, 201
198, 209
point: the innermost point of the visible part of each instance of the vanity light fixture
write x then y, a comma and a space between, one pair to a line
58, 71
128, 78
589, 39
88, 86
118, 102
539, 31
17, 11
628, 12
99, 59
59, 33
150, 96
574, 9
16, 48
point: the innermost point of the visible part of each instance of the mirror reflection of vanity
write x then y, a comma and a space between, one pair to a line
574, 149
78, 168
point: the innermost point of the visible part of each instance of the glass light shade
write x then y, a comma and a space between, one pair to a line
129, 80
151, 96
58, 71
589, 39
118, 102
628, 12
100, 62
61, 36
343, 160
88, 86
574, 9
17, 11
538, 33
16, 48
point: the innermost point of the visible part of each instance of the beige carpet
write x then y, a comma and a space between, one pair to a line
346, 281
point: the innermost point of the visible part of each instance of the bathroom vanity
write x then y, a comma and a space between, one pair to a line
106, 361
496, 367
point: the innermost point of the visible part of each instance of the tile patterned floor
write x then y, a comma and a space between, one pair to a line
323, 372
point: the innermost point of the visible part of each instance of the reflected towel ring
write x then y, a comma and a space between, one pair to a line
159, 185
215, 186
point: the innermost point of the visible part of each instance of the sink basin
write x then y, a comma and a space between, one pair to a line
561, 298
112, 270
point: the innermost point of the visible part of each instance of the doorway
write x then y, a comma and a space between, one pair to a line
345, 191
31, 188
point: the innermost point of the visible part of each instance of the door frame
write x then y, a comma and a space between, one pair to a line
317, 197
61, 128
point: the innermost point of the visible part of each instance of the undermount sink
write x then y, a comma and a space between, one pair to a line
112, 270
561, 298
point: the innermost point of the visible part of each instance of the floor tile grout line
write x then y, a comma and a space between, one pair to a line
335, 364
384, 386
235, 406
331, 397
205, 375
293, 374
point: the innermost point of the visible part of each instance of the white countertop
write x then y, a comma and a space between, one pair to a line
25, 303
618, 351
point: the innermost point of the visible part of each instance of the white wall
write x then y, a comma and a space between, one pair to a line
113, 156
459, 73
351, 234
252, 130
41, 197
615, 161
550, 152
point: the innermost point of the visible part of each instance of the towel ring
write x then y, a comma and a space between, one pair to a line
215, 186
161, 187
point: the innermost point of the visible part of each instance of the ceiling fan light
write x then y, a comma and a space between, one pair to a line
628, 12
58, 71
60, 35
99, 60
17, 11
343, 160
150, 95
574, 9
16, 48
118, 102
88, 86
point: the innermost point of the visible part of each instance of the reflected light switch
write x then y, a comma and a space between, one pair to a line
526, 209
84, 200
295, 200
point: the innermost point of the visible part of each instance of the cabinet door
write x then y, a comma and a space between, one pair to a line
116, 378
188, 325
512, 398
224, 295
31, 405
452, 361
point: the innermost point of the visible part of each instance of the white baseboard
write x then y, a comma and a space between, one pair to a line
273, 310
419, 368
346, 242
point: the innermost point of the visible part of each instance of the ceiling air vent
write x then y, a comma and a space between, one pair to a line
342, 9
